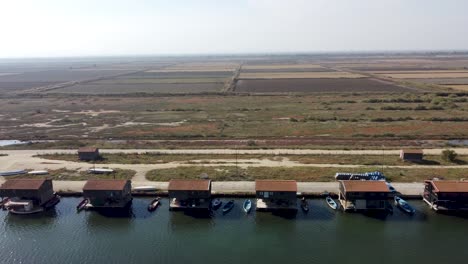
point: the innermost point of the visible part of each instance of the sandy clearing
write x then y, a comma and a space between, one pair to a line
96, 113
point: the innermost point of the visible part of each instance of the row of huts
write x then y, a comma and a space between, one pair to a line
271, 195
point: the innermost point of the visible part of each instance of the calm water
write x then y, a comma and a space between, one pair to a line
321, 236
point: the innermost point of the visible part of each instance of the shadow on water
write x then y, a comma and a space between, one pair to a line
459, 214
44, 218
189, 221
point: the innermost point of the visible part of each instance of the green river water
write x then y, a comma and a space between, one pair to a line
321, 236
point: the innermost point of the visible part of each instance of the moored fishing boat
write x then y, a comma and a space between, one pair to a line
247, 206
216, 203
304, 205
82, 205
403, 205
154, 204
333, 205
52, 202
228, 206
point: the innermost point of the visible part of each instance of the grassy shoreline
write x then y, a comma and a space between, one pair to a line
311, 174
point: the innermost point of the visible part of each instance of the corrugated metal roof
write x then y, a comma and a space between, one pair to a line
276, 185
105, 185
412, 151
450, 186
189, 185
23, 184
365, 186
87, 150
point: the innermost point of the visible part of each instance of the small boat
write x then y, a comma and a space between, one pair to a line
216, 203
228, 206
12, 173
333, 205
38, 172
52, 202
23, 207
82, 205
154, 204
22, 211
3, 202
247, 206
403, 205
304, 205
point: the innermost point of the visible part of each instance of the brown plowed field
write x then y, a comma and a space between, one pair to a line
316, 86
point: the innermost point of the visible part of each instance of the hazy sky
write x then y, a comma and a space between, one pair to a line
136, 27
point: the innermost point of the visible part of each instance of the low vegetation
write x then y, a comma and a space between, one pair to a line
313, 174
158, 158
73, 175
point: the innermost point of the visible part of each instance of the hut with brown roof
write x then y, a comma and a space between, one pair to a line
189, 194
414, 155
446, 195
364, 195
88, 153
39, 191
108, 193
273, 195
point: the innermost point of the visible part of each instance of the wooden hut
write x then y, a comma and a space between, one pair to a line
364, 195
446, 195
275, 195
39, 191
108, 193
414, 155
189, 194
88, 154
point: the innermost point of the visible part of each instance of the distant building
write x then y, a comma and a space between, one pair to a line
189, 194
411, 154
364, 195
88, 154
108, 193
276, 195
40, 191
446, 195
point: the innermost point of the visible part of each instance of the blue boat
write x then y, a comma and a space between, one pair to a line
403, 205
333, 205
228, 206
247, 206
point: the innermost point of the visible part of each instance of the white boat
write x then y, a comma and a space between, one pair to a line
247, 206
23, 207
12, 173
333, 205
38, 172
145, 188
100, 171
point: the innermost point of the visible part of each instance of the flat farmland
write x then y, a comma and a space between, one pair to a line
29, 80
154, 82
322, 85
427, 75
129, 88
280, 66
453, 81
275, 70
298, 75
